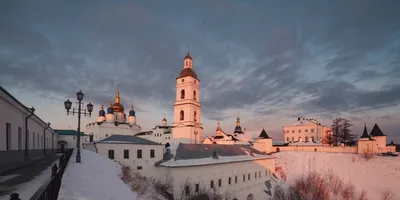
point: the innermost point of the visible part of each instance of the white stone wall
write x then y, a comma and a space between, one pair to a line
159, 136
263, 145
107, 129
14, 114
71, 140
239, 190
146, 162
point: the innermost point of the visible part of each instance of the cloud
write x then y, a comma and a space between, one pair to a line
321, 58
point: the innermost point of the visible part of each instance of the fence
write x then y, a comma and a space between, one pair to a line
50, 189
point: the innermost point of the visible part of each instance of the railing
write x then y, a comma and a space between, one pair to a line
49, 190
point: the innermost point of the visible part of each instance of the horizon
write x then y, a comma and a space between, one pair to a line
266, 62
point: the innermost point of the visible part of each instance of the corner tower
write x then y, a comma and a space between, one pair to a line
187, 127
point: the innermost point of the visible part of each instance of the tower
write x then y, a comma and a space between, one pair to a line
187, 127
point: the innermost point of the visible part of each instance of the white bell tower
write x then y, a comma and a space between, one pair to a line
187, 127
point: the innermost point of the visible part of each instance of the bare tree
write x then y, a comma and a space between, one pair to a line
327, 139
368, 153
388, 194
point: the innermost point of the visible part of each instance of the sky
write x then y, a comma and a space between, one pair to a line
267, 61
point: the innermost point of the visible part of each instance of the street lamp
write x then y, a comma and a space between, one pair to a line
44, 137
78, 111
31, 112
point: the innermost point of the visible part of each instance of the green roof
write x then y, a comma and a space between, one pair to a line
69, 132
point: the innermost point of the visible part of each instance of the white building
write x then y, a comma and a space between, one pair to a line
237, 170
67, 139
113, 122
305, 130
161, 134
237, 137
374, 142
131, 151
38, 134
187, 127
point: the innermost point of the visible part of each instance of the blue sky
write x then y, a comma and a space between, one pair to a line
269, 61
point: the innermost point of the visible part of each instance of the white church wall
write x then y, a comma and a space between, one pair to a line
259, 171
143, 165
263, 145
14, 114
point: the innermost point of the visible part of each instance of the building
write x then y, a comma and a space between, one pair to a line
375, 142
67, 139
237, 170
161, 134
23, 130
237, 137
24, 136
263, 143
305, 130
113, 122
187, 127
131, 151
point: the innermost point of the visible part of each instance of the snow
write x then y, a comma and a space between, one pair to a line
96, 178
27, 189
374, 175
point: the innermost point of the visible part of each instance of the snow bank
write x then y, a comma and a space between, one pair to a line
96, 178
27, 189
374, 175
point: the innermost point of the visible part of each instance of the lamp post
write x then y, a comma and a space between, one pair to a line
44, 137
78, 111
31, 111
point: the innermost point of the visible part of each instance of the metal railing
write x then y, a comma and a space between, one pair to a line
49, 190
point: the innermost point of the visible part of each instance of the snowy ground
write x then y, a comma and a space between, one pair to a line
96, 178
374, 175
27, 189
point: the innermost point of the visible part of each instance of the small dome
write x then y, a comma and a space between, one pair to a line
102, 113
132, 113
110, 110
188, 72
164, 120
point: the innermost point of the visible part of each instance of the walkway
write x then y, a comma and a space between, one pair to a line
36, 174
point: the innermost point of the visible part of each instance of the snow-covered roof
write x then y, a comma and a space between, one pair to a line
127, 139
184, 155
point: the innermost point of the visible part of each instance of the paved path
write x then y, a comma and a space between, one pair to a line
10, 181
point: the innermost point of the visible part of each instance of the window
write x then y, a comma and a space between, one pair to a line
299, 139
248, 176
19, 138
38, 147
187, 63
299, 131
266, 172
126, 154
293, 139
183, 80
306, 138
187, 189
33, 141
8, 136
197, 187
111, 154
259, 174
219, 182
255, 175
194, 94
182, 115
312, 130
312, 138
139, 167
139, 153
212, 184
151, 153
195, 116
235, 179
182, 94
287, 139
292, 131
74, 137
229, 180
244, 178
306, 130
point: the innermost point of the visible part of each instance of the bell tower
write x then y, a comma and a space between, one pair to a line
187, 127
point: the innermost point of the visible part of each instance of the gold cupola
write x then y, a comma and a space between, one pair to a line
117, 106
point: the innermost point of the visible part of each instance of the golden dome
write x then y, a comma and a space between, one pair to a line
117, 106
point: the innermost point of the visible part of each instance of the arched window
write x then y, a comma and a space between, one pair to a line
306, 138
182, 94
312, 138
194, 94
187, 63
250, 197
195, 116
287, 139
299, 139
182, 116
